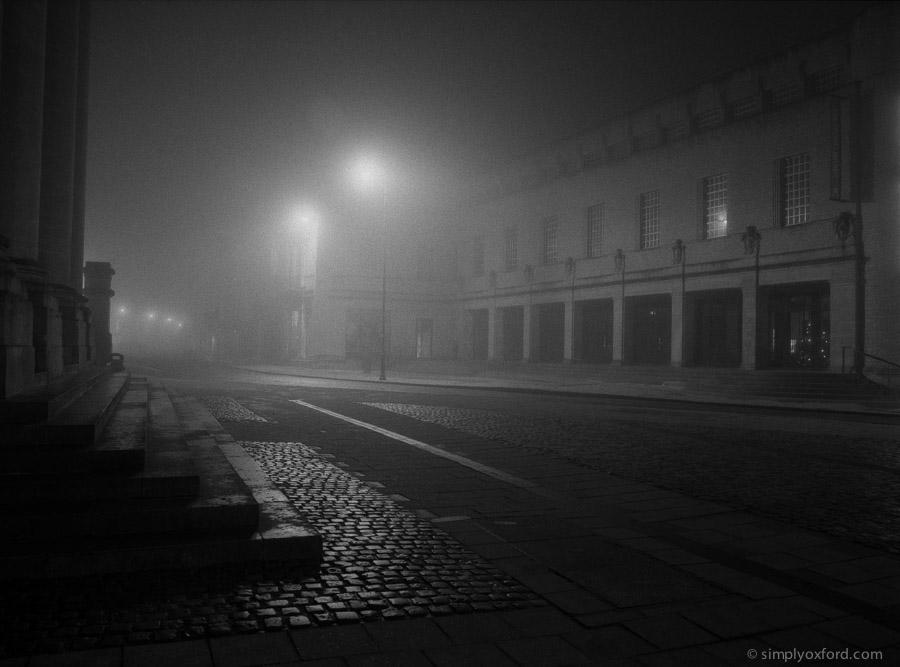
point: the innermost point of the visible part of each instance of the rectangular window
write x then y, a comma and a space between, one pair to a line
478, 256
784, 94
594, 215
708, 120
676, 131
745, 107
650, 219
715, 206
511, 248
827, 79
795, 189
551, 232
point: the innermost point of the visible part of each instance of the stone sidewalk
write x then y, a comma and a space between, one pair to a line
626, 573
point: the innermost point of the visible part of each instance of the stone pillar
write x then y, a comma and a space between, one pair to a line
749, 322
618, 327
97, 283
16, 345
21, 125
76, 262
529, 324
58, 149
495, 327
677, 334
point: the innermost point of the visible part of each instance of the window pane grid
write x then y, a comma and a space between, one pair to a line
715, 196
746, 107
795, 179
785, 93
828, 78
649, 220
551, 228
708, 120
594, 230
511, 241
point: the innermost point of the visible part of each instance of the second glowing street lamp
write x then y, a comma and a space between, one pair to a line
371, 175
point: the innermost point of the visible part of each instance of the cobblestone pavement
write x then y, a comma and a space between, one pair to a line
226, 408
845, 486
382, 562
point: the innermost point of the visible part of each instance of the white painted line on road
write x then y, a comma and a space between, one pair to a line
431, 449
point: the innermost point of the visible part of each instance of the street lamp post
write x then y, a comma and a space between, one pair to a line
382, 376
371, 174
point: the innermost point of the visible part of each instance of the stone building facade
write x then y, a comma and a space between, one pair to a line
45, 323
751, 222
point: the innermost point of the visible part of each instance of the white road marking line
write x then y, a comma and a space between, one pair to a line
431, 449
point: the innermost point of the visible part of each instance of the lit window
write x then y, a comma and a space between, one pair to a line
715, 206
551, 231
795, 189
511, 248
478, 256
650, 219
594, 217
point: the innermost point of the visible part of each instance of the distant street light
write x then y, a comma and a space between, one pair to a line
370, 174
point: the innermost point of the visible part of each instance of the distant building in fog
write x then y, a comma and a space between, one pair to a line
722, 226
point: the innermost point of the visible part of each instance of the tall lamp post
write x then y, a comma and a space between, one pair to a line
370, 174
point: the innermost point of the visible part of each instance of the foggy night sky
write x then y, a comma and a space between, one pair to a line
210, 121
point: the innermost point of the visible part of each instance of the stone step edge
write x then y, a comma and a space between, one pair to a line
44, 402
80, 423
282, 527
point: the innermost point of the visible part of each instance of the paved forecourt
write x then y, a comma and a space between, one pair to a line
475, 550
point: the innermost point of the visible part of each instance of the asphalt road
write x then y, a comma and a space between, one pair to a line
835, 473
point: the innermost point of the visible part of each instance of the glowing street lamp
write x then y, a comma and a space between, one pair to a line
369, 174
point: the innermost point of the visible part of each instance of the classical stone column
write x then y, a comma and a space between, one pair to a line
97, 283
21, 124
76, 262
58, 148
16, 345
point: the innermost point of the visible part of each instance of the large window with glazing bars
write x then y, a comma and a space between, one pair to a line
478, 255
650, 219
594, 219
550, 236
511, 248
795, 189
715, 206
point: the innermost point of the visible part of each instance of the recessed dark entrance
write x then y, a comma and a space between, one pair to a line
594, 331
713, 328
479, 334
798, 326
648, 329
512, 321
551, 331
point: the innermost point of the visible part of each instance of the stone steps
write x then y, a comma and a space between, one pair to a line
162, 486
44, 403
79, 423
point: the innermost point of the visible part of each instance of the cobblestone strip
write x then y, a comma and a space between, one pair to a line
226, 409
381, 562
813, 481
